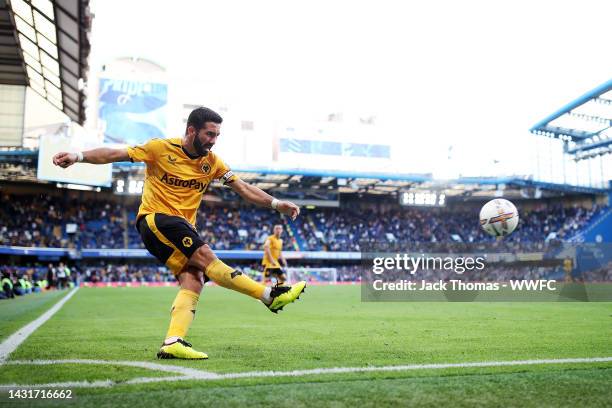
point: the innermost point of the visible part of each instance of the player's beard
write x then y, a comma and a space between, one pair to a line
200, 149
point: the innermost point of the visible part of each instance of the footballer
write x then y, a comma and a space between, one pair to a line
273, 256
178, 172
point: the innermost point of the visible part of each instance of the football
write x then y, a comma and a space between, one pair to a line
499, 217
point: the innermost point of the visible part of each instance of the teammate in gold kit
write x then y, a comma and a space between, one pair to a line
273, 256
178, 172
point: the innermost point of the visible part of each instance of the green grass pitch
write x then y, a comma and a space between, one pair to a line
328, 327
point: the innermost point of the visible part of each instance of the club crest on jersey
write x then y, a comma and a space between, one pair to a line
187, 242
206, 168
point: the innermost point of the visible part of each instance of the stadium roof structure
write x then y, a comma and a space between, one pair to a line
44, 44
584, 125
321, 182
20, 166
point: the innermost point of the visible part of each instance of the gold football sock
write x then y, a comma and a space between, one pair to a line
183, 311
230, 278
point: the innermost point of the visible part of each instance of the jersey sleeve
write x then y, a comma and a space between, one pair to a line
223, 172
146, 152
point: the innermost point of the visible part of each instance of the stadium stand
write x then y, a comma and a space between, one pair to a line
39, 221
35, 221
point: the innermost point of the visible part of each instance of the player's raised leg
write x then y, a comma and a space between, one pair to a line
183, 313
274, 298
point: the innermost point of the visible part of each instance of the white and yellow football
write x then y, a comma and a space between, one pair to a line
499, 217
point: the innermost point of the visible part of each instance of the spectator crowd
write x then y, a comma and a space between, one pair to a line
42, 221
23, 280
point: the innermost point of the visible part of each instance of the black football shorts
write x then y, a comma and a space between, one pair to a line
170, 239
273, 272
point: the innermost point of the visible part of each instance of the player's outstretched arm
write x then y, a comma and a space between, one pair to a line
259, 197
102, 155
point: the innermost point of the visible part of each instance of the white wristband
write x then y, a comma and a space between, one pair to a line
274, 203
79, 156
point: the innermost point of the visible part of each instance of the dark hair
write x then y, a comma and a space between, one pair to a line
199, 116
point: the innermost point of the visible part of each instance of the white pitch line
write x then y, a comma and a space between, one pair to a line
9, 345
93, 384
185, 371
207, 376
341, 370
62, 385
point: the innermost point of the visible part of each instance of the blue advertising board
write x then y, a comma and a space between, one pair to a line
132, 112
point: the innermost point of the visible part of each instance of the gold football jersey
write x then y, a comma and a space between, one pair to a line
174, 182
276, 246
